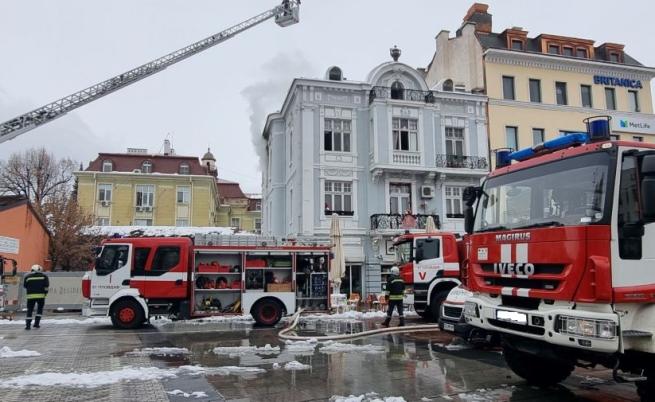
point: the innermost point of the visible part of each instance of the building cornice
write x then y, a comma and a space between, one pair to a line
149, 176
565, 108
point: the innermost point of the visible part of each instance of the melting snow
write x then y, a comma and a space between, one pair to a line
299, 347
354, 315
64, 321
233, 351
6, 351
159, 352
336, 347
369, 397
488, 394
276, 366
195, 394
156, 231
296, 365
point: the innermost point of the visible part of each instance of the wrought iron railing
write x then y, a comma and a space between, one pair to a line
462, 161
404, 94
399, 221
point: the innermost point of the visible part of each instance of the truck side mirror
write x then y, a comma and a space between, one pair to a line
470, 195
648, 188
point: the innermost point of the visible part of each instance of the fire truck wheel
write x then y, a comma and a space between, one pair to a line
267, 312
435, 303
646, 389
537, 370
127, 314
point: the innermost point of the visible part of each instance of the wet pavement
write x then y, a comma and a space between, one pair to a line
422, 366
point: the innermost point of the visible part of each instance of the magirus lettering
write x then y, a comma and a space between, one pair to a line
514, 268
523, 236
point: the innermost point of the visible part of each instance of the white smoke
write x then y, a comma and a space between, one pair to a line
266, 95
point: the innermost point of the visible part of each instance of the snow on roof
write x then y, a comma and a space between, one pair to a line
157, 231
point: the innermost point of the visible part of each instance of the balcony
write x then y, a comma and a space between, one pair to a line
407, 158
462, 162
395, 222
412, 95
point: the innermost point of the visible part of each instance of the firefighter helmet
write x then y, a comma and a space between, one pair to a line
37, 268
395, 270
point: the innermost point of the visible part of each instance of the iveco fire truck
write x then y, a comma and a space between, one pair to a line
562, 257
429, 265
136, 278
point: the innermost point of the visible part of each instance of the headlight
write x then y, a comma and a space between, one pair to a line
589, 328
471, 310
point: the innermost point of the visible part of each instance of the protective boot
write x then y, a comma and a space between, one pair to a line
402, 321
37, 320
386, 322
28, 324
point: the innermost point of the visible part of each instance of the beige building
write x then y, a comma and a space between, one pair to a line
540, 87
238, 210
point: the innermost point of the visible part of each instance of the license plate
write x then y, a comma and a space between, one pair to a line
448, 327
512, 316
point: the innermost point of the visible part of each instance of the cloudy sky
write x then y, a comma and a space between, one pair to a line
217, 99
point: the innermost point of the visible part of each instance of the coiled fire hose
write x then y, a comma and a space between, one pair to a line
283, 334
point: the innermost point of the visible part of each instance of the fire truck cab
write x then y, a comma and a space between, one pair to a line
136, 278
429, 265
561, 257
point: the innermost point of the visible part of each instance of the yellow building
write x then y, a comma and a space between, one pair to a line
542, 87
141, 189
238, 210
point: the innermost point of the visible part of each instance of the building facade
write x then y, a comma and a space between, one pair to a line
24, 236
238, 210
544, 86
142, 189
371, 151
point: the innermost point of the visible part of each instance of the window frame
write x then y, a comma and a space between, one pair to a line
103, 190
397, 134
582, 97
184, 168
148, 221
100, 221
542, 133
638, 138
515, 41
633, 101
179, 221
510, 80
331, 131
139, 202
516, 137
237, 220
107, 163
450, 135
568, 48
538, 88
608, 91
453, 201
584, 51
554, 46
342, 190
565, 97
156, 261
146, 167
397, 91
187, 193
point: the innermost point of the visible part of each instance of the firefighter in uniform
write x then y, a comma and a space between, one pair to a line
395, 292
36, 285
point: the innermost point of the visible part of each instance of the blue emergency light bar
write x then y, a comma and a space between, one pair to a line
598, 129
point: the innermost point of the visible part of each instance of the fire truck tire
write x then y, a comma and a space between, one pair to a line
646, 389
436, 301
267, 312
127, 314
537, 370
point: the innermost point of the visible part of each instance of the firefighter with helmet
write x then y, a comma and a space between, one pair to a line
36, 286
395, 292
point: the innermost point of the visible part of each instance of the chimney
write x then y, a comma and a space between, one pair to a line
167, 147
478, 15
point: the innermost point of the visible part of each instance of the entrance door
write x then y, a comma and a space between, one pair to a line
400, 197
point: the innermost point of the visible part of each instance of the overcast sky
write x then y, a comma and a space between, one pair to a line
49, 49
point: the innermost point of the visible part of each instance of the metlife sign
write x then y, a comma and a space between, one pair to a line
629, 124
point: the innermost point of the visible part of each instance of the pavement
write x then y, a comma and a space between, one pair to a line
425, 366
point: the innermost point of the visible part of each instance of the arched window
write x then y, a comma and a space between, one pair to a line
146, 167
448, 85
107, 166
335, 74
184, 168
397, 90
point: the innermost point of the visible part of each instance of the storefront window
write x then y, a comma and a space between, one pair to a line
352, 280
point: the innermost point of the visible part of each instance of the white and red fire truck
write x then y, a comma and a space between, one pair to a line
562, 257
136, 278
429, 265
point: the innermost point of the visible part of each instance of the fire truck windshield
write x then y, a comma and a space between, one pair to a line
562, 193
404, 252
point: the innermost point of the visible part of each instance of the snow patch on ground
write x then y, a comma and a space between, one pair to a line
337, 347
162, 321
296, 365
159, 352
488, 394
234, 351
6, 351
369, 397
455, 345
276, 366
298, 347
64, 321
195, 394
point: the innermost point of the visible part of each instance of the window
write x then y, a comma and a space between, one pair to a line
184, 168
512, 137
537, 136
335, 74
235, 223
638, 138
508, 87
397, 90
183, 194
427, 249
145, 195
567, 51
585, 95
615, 137
400, 197
517, 44
448, 85
405, 134
107, 166
553, 49
454, 141
629, 208
610, 98
290, 147
143, 222
104, 192
581, 52
454, 202
633, 100
166, 258
258, 225
146, 167
336, 136
560, 93
111, 258
535, 90
102, 222
258, 205
338, 196
614, 57
182, 222
140, 259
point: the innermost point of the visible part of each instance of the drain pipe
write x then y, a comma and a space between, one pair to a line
283, 334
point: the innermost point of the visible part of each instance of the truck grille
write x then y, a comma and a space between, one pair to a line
539, 269
517, 327
452, 312
534, 282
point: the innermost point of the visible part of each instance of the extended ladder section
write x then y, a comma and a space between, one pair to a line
285, 14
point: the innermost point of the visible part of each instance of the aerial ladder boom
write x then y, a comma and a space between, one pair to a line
285, 14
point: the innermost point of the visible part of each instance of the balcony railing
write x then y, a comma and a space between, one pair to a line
340, 213
462, 161
395, 221
405, 94
407, 158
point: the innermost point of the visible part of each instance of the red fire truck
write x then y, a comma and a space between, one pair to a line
562, 257
429, 265
136, 278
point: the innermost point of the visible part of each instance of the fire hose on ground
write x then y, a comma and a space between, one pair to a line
283, 334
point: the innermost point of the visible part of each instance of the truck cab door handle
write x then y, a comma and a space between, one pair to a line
178, 282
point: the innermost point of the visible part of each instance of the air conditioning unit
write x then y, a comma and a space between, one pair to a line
427, 192
104, 203
139, 209
136, 171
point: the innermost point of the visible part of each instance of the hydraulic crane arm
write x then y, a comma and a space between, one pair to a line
285, 14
